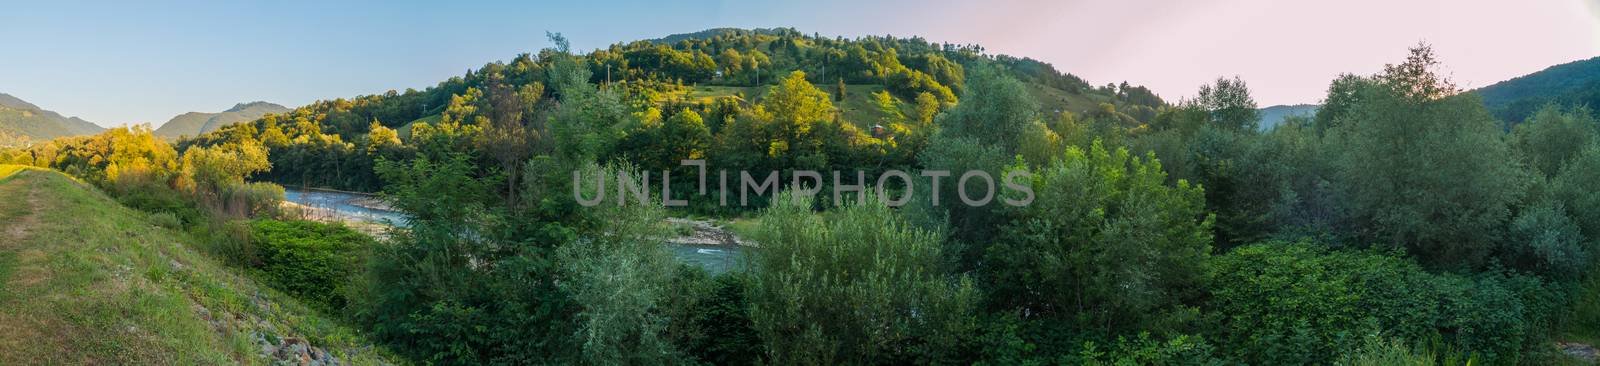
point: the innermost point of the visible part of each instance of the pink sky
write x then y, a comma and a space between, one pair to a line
1287, 51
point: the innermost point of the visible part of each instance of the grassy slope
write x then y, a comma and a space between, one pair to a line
84, 280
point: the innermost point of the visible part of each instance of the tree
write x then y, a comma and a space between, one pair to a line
1230, 104
661, 145
797, 105
619, 276
855, 285
1553, 136
1544, 240
996, 110
926, 108
214, 168
839, 91
792, 128
1423, 168
983, 133
888, 108
1573, 187
1107, 242
451, 288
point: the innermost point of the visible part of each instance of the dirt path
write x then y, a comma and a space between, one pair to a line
18, 268
18, 230
26, 268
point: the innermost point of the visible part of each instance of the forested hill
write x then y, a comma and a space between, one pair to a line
1569, 84
196, 123
882, 90
21, 122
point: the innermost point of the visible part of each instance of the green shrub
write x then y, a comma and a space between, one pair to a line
253, 199
853, 286
155, 198
1146, 350
166, 220
310, 260
710, 317
227, 240
1280, 303
1545, 240
1379, 351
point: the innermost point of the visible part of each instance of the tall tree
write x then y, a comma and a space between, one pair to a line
1230, 104
1424, 168
857, 285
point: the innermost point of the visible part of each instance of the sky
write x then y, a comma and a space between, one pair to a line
119, 62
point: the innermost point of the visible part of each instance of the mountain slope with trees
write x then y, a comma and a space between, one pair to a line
21, 122
880, 89
196, 123
1570, 84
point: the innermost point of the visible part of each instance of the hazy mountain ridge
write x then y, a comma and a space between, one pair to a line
196, 123
1273, 116
21, 121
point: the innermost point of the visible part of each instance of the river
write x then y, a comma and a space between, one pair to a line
344, 206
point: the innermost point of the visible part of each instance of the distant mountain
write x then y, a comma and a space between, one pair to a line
196, 123
1274, 115
1572, 83
6, 100
21, 122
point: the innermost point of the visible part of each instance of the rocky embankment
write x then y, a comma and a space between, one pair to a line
704, 232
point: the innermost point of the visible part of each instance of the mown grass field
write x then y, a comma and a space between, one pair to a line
84, 280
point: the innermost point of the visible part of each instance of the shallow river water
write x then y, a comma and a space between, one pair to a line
714, 258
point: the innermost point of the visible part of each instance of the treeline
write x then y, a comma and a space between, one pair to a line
1399, 224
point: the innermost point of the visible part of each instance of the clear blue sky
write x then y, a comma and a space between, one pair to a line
123, 62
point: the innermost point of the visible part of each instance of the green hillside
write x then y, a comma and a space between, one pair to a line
84, 280
21, 121
701, 72
187, 124
1570, 84
196, 123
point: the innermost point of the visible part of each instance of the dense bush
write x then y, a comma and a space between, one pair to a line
1423, 167
855, 286
158, 198
1544, 240
253, 199
1293, 303
313, 261
1106, 242
711, 318
1379, 351
166, 220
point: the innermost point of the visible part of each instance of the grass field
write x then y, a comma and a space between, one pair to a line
84, 280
